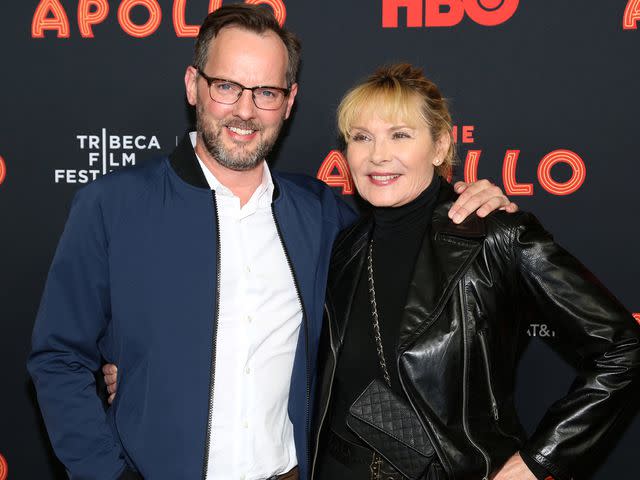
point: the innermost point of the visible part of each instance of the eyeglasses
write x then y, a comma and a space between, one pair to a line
228, 92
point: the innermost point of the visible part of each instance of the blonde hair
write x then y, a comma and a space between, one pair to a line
400, 91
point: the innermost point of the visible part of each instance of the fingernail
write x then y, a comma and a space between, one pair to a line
457, 218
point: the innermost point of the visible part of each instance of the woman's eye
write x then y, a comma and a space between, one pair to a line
359, 137
400, 135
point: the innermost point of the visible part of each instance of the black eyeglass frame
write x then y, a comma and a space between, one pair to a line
210, 80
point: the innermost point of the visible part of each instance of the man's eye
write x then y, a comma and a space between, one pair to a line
225, 86
267, 93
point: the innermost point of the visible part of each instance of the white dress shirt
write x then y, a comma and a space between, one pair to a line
258, 324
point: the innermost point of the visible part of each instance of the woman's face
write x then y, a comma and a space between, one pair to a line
391, 162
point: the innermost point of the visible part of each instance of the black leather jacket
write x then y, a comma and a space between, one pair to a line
458, 341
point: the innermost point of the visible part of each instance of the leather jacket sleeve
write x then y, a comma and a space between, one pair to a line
594, 329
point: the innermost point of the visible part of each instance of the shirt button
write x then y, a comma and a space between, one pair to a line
242, 477
248, 269
245, 424
247, 370
249, 319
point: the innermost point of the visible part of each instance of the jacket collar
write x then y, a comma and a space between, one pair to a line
184, 162
443, 258
355, 238
448, 250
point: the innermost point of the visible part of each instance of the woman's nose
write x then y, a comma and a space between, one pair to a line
379, 152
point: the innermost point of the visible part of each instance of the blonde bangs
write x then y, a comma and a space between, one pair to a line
390, 101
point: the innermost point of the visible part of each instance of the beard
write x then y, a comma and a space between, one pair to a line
244, 158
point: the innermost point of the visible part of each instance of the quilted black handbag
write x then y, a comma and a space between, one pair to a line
388, 424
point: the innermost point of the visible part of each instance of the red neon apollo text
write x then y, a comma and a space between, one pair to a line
51, 15
334, 170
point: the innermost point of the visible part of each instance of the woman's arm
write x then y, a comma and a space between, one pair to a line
592, 327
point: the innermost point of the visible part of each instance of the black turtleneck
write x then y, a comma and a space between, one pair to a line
397, 237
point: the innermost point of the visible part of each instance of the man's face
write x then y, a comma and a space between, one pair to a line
239, 136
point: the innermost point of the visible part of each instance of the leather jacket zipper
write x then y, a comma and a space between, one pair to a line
306, 332
487, 368
465, 384
326, 407
214, 341
492, 397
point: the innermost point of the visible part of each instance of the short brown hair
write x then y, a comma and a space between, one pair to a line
400, 91
253, 18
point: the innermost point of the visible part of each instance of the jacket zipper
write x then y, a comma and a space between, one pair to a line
326, 407
492, 397
306, 332
487, 368
465, 372
214, 341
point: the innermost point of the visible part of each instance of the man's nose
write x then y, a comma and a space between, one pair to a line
245, 108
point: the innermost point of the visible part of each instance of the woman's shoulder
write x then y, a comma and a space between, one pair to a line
500, 221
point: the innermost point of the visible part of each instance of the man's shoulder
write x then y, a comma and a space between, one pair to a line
133, 179
300, 181
304, 189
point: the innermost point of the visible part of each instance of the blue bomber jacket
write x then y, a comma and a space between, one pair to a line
134, 281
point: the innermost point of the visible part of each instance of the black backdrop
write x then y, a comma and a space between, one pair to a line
556, 80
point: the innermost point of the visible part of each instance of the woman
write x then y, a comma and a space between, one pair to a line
434, 311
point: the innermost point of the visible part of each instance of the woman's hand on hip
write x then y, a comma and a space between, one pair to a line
514, 469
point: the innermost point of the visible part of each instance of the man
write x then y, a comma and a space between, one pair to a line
203, 267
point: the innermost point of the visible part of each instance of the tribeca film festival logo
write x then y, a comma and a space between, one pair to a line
105, 153
335, 172
52, 15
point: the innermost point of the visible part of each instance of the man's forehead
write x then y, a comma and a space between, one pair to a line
238, 51
238, 39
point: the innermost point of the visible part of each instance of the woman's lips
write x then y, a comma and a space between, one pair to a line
383, 179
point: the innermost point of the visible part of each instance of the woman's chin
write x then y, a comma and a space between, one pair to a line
382, 201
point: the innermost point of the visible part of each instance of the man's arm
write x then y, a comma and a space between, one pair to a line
73, 316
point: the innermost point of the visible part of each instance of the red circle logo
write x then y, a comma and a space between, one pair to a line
4, 468
3, 174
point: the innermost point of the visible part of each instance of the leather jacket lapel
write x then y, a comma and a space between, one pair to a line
444, 256
346, 266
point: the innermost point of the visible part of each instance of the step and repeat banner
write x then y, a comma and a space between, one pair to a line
545, 97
